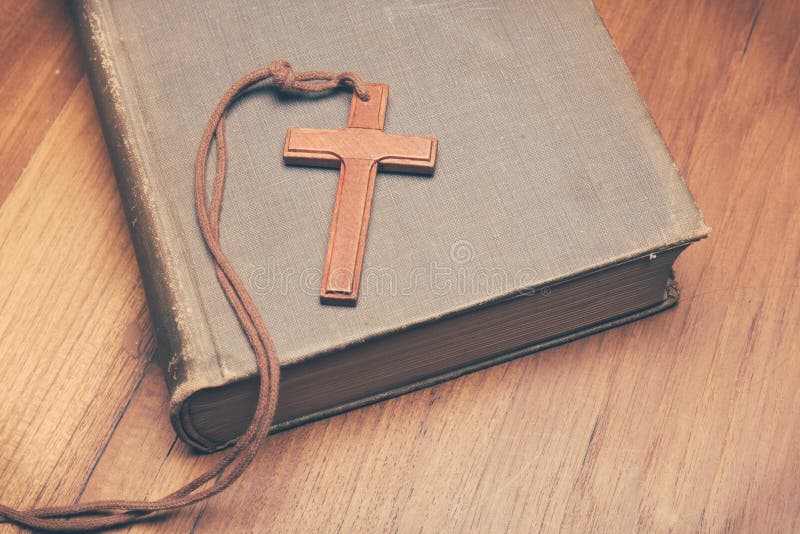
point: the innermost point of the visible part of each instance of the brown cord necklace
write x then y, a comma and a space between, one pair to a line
105, 514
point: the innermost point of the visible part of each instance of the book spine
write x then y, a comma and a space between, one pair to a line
155, 265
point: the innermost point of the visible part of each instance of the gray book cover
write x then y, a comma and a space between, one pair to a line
549, 164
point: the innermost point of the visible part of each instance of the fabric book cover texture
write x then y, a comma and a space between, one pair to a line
549, 167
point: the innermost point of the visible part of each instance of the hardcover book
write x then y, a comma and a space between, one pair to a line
555, 210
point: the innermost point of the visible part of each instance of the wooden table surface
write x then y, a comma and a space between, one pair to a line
686, 421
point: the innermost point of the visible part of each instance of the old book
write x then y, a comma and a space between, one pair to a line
555, 210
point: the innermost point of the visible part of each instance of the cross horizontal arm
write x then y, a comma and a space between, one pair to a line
328, 148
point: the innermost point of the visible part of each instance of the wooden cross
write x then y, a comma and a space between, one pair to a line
359, 150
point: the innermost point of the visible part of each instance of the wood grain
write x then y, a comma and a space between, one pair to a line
40, 65
687, 421
73, 321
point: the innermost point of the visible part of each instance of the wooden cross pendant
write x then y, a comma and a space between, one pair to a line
359, 150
